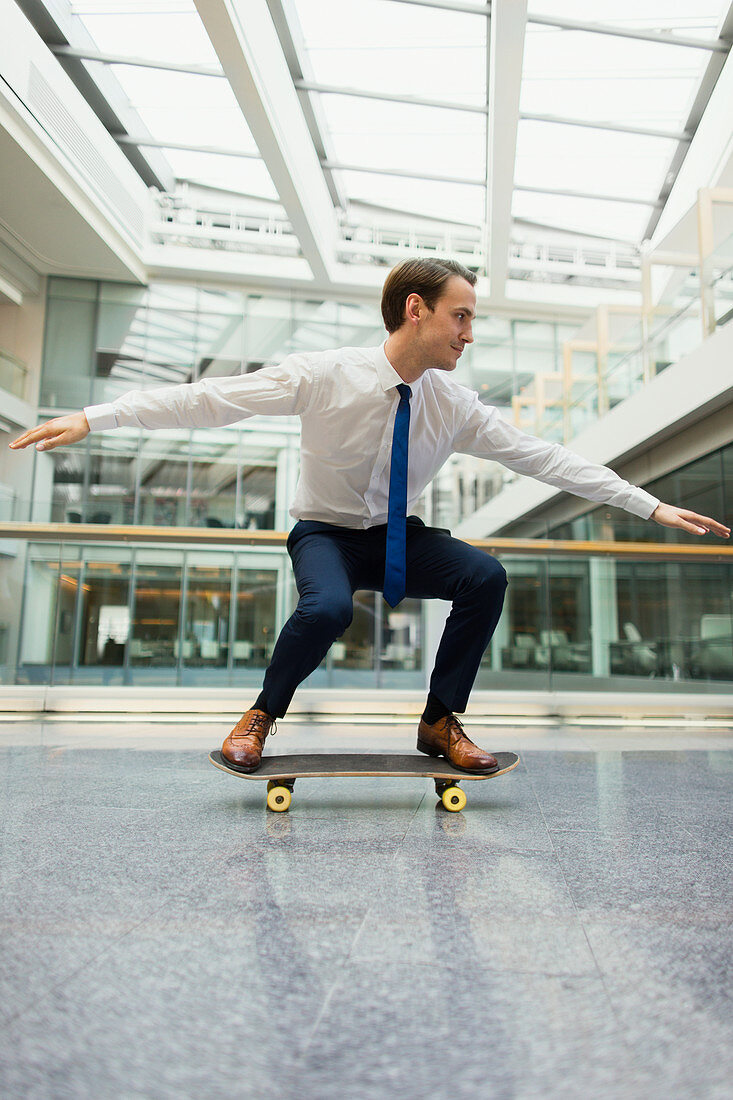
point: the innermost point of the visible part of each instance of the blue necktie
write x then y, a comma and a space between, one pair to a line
394, 562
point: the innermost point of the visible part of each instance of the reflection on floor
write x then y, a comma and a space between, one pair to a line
567, 935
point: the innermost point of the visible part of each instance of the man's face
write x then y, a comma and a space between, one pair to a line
441, 335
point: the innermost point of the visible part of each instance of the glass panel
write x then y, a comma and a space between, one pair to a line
155, 620
268, 331
621, 80
257, 497
112, 471
727, 477
620, 221
676, 622
519, 653
12, 601
565, 647
67, 353
401, 655
183, 108
163, 475
205, 643
104, 617
40, 626
447, 201
698, 486
214, 456
352, 655
50, 637
255, 627
439, 54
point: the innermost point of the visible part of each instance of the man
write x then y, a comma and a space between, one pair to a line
362, 412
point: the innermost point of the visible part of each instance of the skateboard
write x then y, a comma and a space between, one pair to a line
282, 771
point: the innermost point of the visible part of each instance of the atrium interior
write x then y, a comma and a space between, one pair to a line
197, 189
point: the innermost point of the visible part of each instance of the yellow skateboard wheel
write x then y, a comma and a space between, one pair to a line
278, 799
454, 799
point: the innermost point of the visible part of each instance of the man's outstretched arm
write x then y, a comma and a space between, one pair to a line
669, 516
486, 434
58, 432
282, 390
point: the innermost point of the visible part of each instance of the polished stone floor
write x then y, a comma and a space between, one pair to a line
568, 935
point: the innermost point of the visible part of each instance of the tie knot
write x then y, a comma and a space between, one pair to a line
404, 391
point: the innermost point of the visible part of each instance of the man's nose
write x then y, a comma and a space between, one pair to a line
467, 333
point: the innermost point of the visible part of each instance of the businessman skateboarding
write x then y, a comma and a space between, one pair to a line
377, 425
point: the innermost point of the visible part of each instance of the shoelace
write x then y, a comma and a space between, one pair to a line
258, 724
451, 721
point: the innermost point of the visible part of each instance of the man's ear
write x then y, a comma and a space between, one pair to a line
414, 307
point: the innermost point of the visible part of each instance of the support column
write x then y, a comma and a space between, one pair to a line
706, 244
603, 613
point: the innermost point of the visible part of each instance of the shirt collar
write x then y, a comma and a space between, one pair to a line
388, 376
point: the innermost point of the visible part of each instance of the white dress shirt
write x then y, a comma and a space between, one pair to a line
346, 401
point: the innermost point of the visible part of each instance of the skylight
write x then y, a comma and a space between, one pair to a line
398, 95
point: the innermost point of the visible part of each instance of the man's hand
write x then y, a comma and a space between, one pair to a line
58, 432
669, 516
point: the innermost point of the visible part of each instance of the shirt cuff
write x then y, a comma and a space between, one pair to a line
642, 504
100, 417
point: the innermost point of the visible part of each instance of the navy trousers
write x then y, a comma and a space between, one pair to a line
330, 563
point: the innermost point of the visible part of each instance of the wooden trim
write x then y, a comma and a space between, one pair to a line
229, 537
576, 548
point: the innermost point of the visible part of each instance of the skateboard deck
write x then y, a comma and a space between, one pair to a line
282, 771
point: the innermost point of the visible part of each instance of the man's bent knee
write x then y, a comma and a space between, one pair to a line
333, 616
490, 576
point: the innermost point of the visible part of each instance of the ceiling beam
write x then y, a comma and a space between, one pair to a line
246, 42
404, 173
89, 54
616, 127
287, 24
448, 5
665, 38
585, 195
214, 150
389, 97
506, 49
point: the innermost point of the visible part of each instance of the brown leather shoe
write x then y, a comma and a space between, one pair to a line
448, 738
243, 746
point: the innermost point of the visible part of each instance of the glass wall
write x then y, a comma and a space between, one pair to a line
146, 615
605, 623
150, 615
